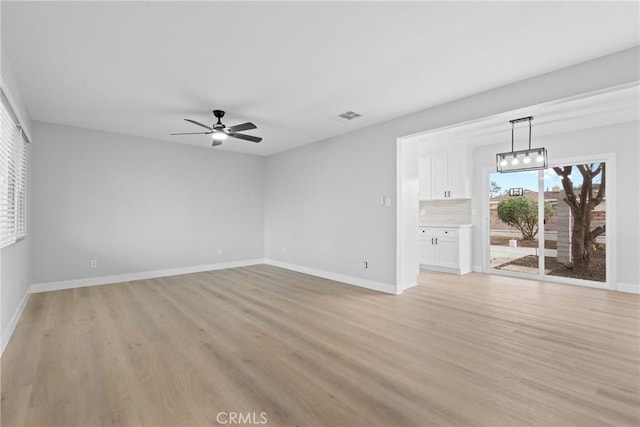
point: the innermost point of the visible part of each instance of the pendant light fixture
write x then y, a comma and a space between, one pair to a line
522, 160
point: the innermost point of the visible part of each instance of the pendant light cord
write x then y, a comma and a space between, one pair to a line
513, 125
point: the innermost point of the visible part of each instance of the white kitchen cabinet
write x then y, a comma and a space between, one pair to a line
444, 176
439, 177
459, 177
447, 252
426, 250
445, 248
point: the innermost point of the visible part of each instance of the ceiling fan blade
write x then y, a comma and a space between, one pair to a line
245, 137
241, 127
193, 133
198, 123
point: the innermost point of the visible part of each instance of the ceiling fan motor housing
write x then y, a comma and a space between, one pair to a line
219, 114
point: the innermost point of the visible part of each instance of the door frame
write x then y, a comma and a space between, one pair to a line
407, 220
611, 259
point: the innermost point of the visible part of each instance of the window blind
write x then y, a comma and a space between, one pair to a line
13, 178
21, 187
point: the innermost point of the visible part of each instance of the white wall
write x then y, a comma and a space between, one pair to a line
322, 206
138, 205
620, 139
322, 199
15, 259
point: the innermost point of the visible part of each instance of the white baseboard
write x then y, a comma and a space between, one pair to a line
628, 287
409, 286
119, 278
476, 269
444, 269
350, 280
6, 334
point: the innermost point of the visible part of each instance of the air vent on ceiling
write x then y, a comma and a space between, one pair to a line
349, 115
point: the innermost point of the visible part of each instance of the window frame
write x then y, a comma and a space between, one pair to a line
13, 175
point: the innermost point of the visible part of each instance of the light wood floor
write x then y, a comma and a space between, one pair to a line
470, 350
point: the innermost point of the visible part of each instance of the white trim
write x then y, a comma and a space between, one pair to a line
633, 288
611, 204
8, 332
485, 217
476, 269
407, 207
119, 278
400, 219
408, 286
441, 269
350, 280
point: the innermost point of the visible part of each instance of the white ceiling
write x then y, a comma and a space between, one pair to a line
140, 68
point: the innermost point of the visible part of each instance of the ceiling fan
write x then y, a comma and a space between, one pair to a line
219, 132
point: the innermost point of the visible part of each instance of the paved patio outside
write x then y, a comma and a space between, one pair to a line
500, 255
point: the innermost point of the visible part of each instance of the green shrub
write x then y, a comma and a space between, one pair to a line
522, 213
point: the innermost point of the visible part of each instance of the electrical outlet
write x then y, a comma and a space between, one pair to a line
93, 263
220, 252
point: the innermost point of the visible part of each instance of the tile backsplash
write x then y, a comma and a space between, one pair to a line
445, 211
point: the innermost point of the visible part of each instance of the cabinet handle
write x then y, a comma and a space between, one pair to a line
432, 240
436, 240
449, 193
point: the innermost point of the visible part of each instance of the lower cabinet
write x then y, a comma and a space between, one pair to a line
446, 249
427, 250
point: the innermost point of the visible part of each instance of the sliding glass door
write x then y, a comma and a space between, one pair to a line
550, 224
577, 230
513, 222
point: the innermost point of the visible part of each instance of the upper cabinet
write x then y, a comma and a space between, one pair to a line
444, 176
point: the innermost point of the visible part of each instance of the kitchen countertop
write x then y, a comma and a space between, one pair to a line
446, 225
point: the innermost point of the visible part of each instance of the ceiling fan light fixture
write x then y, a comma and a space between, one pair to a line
219, 136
